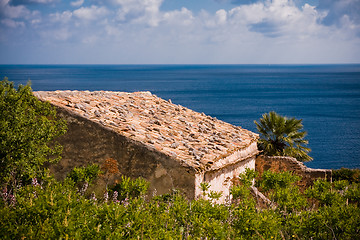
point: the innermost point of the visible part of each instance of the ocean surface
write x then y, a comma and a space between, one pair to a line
326, 97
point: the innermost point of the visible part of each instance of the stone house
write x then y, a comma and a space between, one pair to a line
169, 145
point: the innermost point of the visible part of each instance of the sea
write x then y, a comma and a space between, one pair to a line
325, 97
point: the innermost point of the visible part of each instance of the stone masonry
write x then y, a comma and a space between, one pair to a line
283, 163
169, 145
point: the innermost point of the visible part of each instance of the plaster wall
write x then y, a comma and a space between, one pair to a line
220, 179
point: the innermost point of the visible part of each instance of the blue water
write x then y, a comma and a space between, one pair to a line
326, 97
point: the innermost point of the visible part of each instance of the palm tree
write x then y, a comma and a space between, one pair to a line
282, 136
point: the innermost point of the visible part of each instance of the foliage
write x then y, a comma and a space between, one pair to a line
129, 188
240, 191
204, 187
56, 210
50, 209
282, 136
28, 127
271, 180
247, 178
281, 189
321, 191
85, 174
351, 175
212, 195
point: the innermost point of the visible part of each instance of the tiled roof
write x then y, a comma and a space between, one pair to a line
192, 138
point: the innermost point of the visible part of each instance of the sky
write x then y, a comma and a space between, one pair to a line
179, 31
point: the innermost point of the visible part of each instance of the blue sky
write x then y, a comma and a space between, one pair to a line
179, 31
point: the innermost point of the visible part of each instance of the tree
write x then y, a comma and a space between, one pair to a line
28, 128
282, 136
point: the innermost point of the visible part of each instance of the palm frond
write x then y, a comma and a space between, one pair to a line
280, 135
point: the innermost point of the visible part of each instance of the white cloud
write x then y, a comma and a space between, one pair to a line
63, 17
183, 17
343, 14
277, 18
61, 34
113, 31
90, 39
247, 14
336, 9
139, 31
43, 1
90, 13
77, 3
28, 2
221, 16
8, 11
11, 23
213, 21
139, 11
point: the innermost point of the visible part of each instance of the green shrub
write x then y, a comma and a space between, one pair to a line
271, 180
28, 128
351, 175
85, 174
56, 210
241, 192
325, 193
128, 188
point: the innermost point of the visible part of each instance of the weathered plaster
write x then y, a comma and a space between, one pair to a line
220, 179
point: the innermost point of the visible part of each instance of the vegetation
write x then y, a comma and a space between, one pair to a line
27, 130
282, 136
351, 175
58, 210
49, 209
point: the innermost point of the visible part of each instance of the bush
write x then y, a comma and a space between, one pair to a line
85, 174
56, 210
351, 175
28, 128
128, 188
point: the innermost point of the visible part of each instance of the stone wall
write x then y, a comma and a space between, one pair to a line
88, 142
280, 164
